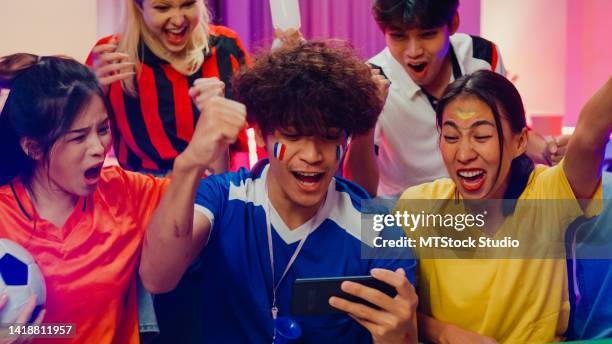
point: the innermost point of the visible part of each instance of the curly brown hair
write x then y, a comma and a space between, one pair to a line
310, 88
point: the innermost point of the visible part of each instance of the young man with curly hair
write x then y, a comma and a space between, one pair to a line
289, 217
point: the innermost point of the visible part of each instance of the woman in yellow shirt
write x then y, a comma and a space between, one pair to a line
481, 119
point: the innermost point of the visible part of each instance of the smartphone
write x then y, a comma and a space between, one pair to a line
379, 68
311, 295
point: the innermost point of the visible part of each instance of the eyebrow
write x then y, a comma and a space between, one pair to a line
160, 2
396, 29
82, 130
474, 125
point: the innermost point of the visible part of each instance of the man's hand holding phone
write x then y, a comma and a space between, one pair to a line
395, 321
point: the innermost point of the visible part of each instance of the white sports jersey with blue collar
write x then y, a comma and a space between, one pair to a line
236, 262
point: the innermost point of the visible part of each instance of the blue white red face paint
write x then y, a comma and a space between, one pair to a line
279, 151
339, 152
280, 148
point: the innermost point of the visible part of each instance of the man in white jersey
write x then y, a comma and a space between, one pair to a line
423, 55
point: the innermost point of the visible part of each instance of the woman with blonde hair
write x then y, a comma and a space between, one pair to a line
156, 74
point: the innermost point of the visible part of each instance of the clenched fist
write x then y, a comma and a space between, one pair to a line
204, 89
220, 122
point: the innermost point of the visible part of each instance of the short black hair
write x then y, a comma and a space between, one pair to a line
405, 14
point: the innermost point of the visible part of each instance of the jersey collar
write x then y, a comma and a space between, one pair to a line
295, 235
402, 81
26, 207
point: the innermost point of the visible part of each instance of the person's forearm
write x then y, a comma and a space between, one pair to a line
595, 121
222, 164
360, 164
169, 245
175, 236
439, 332
587, 145
429, 328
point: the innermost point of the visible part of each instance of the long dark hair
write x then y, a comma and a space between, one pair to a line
46, 95
500, 95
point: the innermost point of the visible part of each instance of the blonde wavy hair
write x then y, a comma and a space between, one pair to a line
134, 29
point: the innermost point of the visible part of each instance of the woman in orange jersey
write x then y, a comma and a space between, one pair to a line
482, 140
82, 222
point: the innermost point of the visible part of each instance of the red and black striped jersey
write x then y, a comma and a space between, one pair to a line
157, 124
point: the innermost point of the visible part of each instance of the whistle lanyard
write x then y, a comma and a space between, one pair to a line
275, 286
274, 308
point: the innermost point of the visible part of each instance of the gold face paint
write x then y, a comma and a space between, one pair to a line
465, 114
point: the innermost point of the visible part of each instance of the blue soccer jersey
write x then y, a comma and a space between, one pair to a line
236, 262
591, 279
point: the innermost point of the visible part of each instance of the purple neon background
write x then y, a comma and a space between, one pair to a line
347, 19
581, 59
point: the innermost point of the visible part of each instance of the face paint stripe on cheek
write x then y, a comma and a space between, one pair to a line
279, 151
339, 152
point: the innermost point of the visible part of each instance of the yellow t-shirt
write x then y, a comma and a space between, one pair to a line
511, 300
